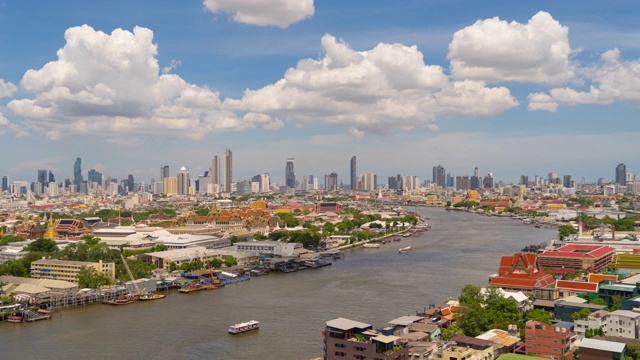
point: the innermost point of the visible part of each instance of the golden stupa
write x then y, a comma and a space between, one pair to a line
51, 232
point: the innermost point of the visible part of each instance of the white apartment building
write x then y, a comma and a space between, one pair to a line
623, 323
595, 320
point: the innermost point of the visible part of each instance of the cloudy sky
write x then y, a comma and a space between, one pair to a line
514, 88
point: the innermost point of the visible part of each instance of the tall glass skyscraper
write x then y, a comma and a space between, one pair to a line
289, 174
77, 173
228, 170
621, 174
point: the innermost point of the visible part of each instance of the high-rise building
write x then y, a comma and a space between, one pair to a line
368, 181
182, 182
289, 174
463, 183
214, 171
5, 183
77, 173
94, 176
164, 172
170, 186
354, 179
265, 183
475, 182
131, 183
621, 174
566, 181
331, 182
51, 177
392, 183
553, 177
524, 180
42, 181
228, 170
439, 176
488, 181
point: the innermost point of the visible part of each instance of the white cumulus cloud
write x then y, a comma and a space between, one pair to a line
611, 80
378, 90
7, 89
495, 50
281, 13
110, 84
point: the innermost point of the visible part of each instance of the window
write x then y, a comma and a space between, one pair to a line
340, 345
340, 353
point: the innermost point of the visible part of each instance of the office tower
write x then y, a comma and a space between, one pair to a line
94, 176
439, 176
42, 179
331, 182
553, 177
228, 170
488, 181
5, 183
289, 174
354, 180
265, 183
77, 173
451, 180
182, 182
621, 174
566, 181
392, 182
51, 177
131, 183
214, 171
475, 181
524, 180
164, 172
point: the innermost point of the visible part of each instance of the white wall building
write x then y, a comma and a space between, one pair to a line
623, 323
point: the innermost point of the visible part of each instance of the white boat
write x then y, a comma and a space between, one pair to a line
369, 245
404, 249
244, 327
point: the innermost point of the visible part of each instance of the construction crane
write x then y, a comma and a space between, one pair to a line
135, 284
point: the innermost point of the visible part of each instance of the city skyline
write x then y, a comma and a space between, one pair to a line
405, 90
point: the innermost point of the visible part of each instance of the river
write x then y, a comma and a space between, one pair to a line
368, 285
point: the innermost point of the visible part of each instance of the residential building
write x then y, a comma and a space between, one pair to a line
68, 270
349, 339
463, 183
164, 172
182, 181
623, 323
214, 171
439, 176
547, 341
170, 186
467, 347
330, 182
595, 320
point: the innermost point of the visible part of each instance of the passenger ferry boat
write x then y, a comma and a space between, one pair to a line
244, 327
370, 245
404, 249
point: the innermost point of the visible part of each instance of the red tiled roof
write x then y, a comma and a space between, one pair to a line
597, 278
579, 251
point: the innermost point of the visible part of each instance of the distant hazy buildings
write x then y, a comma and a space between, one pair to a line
214, 171
463, 182
77, 173
331, 182
182, 182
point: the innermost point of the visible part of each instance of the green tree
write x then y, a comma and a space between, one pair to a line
583, 314
173, 266
451, 331
43, 245
617, 302
472, 319
470, 295
216, 263
259, 236
566, 230
89, 277
599, 301
328, 228
632, 351
538, 315
230, 261
14, 268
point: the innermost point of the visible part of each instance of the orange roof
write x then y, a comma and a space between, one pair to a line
597, 278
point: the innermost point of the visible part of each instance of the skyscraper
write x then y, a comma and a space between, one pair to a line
5, 183
621, 174
488, 181
94, 176
439, 176
228, 171
476, 182
524, 180
566, 181
77, 173
130, 184
214, 171
331, 182
183, 181
51, 177
354, 179
42, 177
164, 172
289, 174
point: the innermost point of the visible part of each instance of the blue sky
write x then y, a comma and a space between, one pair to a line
514, 88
